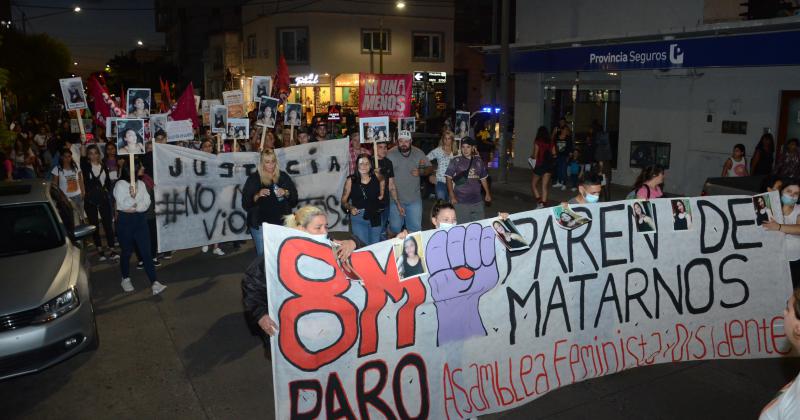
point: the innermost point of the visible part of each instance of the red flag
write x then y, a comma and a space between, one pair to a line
281, 87
185, 109
104, 106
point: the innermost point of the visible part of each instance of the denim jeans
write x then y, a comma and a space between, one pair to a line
363, 231
412, 220
441, 191
258, 239
132, 231
561, 169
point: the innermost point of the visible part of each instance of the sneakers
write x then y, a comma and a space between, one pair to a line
563, 188
204, 248
558, 184
167, 255
114, 256
540, 205
573, 189
140, 265
102, 257
156, 262
219, 251
126, 285
157, 288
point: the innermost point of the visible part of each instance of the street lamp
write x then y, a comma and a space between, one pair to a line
139, 43
77, 9
401, 5
75, 63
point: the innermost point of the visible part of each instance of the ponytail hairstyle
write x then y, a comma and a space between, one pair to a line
647, 174
302, 217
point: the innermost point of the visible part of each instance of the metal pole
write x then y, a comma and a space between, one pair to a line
504, 76
494, 76
380, 50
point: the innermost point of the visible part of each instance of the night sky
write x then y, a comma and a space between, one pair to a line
95, 34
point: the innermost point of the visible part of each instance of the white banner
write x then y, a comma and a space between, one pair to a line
180, 130
488, 329
198, 195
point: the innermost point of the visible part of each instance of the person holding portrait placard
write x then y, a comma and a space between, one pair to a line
130, 139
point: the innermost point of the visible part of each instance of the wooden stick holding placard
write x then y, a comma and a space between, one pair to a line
375, 152
263, 136
132, 171
291, 135
80, 126
219, 142
235, 144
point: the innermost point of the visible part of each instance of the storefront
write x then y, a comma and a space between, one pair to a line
318, 91
429, 93
677, 97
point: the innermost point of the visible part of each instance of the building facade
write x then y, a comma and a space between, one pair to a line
327, 43
677, 83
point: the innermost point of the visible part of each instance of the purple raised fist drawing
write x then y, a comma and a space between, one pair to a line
462, 267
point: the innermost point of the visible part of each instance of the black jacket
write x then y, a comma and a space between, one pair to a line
268, 209
254, 289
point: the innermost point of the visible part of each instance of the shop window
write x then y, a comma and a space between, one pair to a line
252, 52
371, 41
427, 46
293, 44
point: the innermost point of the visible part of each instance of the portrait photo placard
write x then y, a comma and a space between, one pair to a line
219, 117
373, 129
292, 115
260, 87
267, 112
130, 136
72, 91
137, 103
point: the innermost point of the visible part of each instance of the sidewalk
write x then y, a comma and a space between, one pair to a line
518, 187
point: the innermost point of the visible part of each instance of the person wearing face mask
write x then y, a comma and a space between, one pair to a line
309, 219
589, 189
443, 215
790, 226
786, 405
268, 195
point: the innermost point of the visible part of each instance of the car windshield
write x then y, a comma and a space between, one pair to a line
27, 228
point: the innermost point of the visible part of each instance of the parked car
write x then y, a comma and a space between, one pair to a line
46, 313
743, 185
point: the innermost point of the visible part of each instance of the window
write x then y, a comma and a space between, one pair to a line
252, 52
371, 41
293, 44
427, 46
28, 228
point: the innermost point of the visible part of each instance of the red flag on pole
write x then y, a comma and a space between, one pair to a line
185, 108
281, 86
104, 106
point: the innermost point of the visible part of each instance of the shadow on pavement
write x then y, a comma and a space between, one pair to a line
225, 341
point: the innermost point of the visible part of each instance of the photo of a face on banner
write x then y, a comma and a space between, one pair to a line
410, 256
374, 129
408, 124
462, 125
291, 115
763, 208
72, 91
238, 128
262, 86
267, 112
111, 127
219, 123
642, 213
130, 136
138, 103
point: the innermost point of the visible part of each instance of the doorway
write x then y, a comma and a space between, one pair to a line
789, 119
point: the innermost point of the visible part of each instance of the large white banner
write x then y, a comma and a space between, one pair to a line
198, 196
485, 329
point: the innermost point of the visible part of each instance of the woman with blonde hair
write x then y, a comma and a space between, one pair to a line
268, 195
309, 219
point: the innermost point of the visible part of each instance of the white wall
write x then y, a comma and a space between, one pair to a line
674, 110
541, 21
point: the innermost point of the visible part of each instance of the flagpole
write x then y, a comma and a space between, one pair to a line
131, 170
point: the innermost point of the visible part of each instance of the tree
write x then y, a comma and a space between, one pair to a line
35, 63
128, 71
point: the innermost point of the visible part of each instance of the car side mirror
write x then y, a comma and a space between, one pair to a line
82, 231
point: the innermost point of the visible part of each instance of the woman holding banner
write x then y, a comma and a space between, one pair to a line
791, 226
132, 230
309, 219
207, 146
268, 195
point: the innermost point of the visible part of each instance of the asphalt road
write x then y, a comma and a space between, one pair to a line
189, 354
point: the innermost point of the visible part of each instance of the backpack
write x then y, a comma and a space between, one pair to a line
632, 195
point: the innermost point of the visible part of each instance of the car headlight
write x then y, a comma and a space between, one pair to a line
58, 306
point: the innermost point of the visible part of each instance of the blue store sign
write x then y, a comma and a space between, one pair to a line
766, 49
